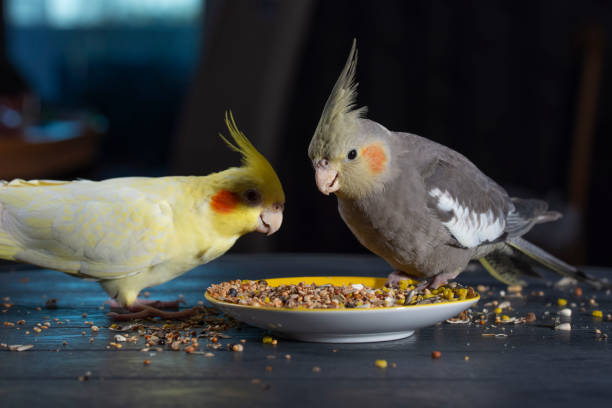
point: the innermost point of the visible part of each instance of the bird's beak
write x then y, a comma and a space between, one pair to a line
270, 219
326, 176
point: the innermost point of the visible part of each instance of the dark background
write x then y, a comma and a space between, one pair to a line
521, 88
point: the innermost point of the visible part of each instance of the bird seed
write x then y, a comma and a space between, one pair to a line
312, 296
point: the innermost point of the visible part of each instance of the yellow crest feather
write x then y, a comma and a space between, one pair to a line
254, 161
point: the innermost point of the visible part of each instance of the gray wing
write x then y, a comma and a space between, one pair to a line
469, 204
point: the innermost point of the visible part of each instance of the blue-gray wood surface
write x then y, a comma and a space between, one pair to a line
535, 365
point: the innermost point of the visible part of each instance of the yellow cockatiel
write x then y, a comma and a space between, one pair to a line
136, 232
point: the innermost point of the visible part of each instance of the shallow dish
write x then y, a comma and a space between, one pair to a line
342, 325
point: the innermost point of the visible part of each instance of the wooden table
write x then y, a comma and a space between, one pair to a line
534, 365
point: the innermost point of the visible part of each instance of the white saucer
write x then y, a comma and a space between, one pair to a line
342, 325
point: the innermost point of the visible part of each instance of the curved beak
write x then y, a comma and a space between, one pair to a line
326, 177
270, 219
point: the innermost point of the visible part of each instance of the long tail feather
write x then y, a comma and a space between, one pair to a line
542, 257
508, 265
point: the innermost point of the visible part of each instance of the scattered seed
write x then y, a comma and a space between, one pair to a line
209, 354
268, 368
515, 288
237, 347
597, 314
84, 315
565, 312
564, 327
466, 358
577, 291
316, 369
530, 317
561, 302
146, 362
287, 356
95, 328
381, 363
436, 354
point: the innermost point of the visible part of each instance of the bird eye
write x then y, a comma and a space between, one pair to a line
252, 197
352, 154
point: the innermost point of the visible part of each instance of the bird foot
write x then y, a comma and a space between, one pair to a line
395, 278
137, 306
140, 311
433, 283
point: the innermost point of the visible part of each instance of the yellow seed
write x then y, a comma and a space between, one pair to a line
561, 302
267, 340
403, 284
466, 358
497, 310
597, 313
505, 317
381, 363
267, 300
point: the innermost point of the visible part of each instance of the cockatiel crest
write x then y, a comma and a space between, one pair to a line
257, 166
349, 160
339, 113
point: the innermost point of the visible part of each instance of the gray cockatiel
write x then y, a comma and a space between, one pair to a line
424, 208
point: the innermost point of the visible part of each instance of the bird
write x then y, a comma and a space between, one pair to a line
135, 232
424, 208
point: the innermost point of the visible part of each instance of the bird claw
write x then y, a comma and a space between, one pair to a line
395, 278
157, 304
145, 311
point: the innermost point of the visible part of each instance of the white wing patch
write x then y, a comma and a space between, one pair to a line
469, 228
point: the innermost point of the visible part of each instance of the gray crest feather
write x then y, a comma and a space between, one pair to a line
339, 111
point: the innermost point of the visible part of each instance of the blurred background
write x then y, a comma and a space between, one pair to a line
108, 88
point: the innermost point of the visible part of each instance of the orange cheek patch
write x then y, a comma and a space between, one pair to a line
375, 156
224, 202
